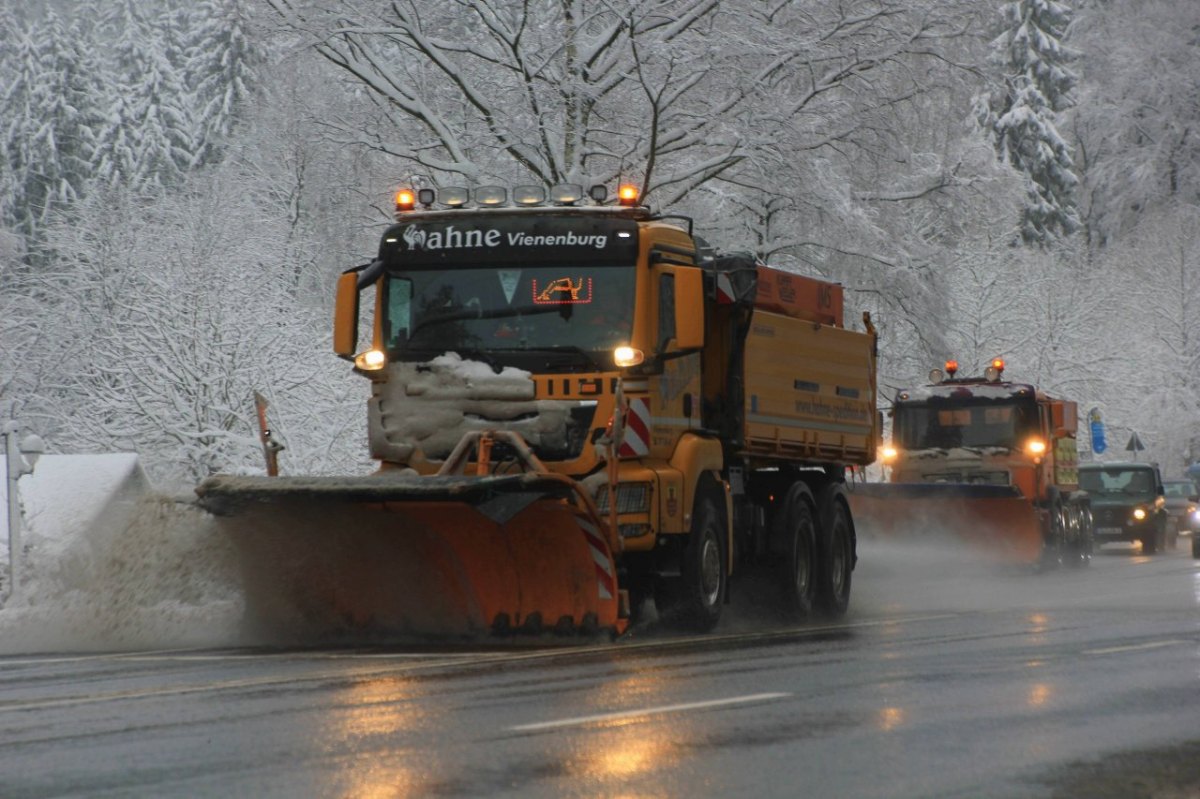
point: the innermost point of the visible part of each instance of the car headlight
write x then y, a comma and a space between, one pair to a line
1139, 514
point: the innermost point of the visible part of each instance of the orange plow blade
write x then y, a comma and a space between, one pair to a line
418, 557
995, 519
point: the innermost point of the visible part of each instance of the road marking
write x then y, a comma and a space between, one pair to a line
648, 711
1135, 647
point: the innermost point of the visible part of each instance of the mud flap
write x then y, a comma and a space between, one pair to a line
997, 519
417, 557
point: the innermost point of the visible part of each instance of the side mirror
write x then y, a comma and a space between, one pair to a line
689, 308
345, 316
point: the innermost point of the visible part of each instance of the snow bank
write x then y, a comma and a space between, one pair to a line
109, 564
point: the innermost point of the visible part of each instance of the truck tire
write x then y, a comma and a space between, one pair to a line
693, 600
835, 556
1055, 533
1079, 538
796, 530
1087, 541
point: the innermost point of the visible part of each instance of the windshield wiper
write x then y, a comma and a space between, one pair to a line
481, 313
583, 355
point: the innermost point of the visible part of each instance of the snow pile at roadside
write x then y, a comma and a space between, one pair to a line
109, 564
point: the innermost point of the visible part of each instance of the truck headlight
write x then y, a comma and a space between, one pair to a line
371, 360
1139, 514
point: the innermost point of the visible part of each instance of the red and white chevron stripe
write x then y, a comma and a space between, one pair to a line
606, 578
635, 439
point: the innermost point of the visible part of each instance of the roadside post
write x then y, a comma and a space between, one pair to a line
19, 459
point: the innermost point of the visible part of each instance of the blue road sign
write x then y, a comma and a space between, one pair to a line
1097, 425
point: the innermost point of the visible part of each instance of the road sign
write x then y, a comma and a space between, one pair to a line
1135, 444
1097, 425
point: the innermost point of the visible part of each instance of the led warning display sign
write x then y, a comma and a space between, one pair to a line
563, 291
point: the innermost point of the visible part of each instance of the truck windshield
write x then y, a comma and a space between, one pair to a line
994, 424
492, 310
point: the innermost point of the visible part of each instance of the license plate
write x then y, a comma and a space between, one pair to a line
1108, 531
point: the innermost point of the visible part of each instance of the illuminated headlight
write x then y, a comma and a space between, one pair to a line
1036, 447
371, 360
1139, 514
888, 454
627, 356
631, 498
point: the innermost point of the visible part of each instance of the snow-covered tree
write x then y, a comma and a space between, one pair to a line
63, 143
172, 309
1022, 117
19, 203
222, 60
1138, 118
146, 140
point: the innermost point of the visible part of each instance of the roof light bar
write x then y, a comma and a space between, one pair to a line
491, 196
566, 193
529, 195
455, 197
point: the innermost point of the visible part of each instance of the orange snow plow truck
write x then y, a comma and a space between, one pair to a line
576, 407
986, 460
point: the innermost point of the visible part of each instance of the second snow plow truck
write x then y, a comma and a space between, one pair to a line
574, 408
984, 459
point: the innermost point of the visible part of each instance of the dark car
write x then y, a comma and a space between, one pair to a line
1182, 502
1127, 503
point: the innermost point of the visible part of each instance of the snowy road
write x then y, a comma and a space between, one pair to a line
948, 678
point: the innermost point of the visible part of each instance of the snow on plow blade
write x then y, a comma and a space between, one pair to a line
408, 556
995, 518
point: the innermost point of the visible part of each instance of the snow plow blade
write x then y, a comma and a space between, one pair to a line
405, 556
997, 519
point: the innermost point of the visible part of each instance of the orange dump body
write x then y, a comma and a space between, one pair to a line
799, 297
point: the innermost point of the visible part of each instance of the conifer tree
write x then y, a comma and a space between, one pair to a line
1022, 116
221, 60
146, 139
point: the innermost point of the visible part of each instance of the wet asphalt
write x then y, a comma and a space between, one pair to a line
951, 676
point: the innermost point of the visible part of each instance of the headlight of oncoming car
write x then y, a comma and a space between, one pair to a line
631, 498
1139, 514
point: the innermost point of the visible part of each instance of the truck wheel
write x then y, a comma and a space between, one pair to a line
835, 560
1087, 541
1079, 538
1055, 535
693, 600
796, 529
